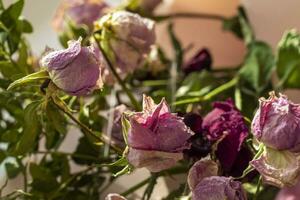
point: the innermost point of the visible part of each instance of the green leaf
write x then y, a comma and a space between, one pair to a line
240, 26
31, 129
43, 180
176, 46
288, 60
41, 75
12, 13
12, 169
258, 66
125, 128
7, 69
56, 119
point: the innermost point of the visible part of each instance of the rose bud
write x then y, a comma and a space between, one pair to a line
201, 61
277, 123
289, 193
156, 137
114, 197
200, 170
278, 168
80, 12
129, 37
75, 70
225, 124
219, 188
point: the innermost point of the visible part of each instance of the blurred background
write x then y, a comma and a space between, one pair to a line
270, 18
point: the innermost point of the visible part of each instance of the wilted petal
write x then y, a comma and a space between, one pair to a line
277, 123
289, 193
201, 61
278, 168
154, 161
200, 170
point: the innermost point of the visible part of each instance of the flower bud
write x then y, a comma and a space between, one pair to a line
114, 197
156, 137
80, 12
277, 123
226, 125
278, 168
201, 61
75, 70
129, 37
200, 170
219, 188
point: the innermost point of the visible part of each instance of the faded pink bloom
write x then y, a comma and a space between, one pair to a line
156, 137
278, 168
130, 38
80, 12
277, 123
75, 70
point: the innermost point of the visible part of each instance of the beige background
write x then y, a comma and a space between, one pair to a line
269, 18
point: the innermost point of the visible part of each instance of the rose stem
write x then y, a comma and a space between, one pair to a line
120, 81
188, 15
102, 138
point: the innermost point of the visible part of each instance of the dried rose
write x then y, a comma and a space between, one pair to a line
278, 168
128, 37
218, 188
156, 137
277, 123
200, 170
226, 123
114, 197
201, 61
75, 70
80, 12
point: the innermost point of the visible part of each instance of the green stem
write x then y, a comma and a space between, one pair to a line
136, 187
160, 18
102, 138
210, 95
257, 188
116, 75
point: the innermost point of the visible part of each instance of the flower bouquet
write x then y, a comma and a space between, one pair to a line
230, 132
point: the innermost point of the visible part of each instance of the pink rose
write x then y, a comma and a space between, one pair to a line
156, 137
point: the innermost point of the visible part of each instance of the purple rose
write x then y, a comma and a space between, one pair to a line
130, 38
278, 168
114, 197
75, 70
156, 137
226, 123
80, 12
200, 170
218, 188
202, 60
277, 123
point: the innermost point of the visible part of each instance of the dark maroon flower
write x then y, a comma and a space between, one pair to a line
202, 60
226, 124
194, 121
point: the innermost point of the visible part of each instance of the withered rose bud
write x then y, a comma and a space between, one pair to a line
80, 12
201, 61
277, 123
129, 38
278, 168
219, 188
225, 124
75, 70
156, 137
114, 197
200, 170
